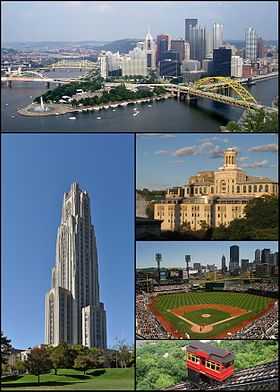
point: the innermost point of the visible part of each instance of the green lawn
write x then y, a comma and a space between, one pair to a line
216, 315
71, 379
253, 303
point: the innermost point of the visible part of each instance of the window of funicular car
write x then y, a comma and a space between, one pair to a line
212, 365
193, 358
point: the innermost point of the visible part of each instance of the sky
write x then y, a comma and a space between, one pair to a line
165, 160
36, 171
112, 20
206, 252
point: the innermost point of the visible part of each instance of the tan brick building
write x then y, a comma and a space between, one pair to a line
212, 198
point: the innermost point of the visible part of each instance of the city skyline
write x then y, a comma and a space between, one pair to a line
40, 168
182, 156
176, 250
21, 18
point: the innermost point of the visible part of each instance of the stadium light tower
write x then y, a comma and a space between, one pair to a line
188, 260
158, 260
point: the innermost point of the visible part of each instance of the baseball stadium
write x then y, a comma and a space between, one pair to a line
208, 314
229, 309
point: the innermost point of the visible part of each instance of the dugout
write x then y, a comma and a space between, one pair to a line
214, 286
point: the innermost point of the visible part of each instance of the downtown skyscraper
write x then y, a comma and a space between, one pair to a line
73, 311
251, 44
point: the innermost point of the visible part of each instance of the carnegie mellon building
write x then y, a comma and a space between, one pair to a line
73, 311
212, 198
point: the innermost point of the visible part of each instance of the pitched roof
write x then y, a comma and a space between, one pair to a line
215, 353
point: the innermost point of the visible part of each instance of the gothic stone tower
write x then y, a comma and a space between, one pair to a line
73, 311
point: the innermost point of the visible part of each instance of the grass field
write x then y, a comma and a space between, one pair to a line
71, 379
252, 303
216, 315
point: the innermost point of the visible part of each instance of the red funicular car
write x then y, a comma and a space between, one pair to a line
210, 361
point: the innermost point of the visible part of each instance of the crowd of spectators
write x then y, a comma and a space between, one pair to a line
171, 288
266, 327
265, 286
147, 325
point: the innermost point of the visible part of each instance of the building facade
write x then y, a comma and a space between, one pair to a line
212, 198
75, 283
189, 23
197, 39
218, 35
135, 63
150, 49
250, 44
222, 62
236, 66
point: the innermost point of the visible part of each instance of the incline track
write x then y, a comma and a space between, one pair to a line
260, 377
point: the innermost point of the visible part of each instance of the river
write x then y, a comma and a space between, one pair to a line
164, 116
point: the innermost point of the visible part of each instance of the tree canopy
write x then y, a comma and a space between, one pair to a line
162, 363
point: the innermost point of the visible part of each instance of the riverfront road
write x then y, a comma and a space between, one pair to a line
35, 79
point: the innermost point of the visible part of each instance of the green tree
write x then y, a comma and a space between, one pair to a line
20, 366
38, 362
97, 357
83, 362
150, 210
56, 355
6, 348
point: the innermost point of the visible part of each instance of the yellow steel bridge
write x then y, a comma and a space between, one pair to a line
220, 89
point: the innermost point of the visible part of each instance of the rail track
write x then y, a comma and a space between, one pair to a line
261, 377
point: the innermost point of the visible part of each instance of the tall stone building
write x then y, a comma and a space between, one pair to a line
212, 198
73, 311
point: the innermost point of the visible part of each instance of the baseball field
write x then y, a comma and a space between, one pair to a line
207, 314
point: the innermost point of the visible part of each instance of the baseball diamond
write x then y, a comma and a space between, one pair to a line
207, 314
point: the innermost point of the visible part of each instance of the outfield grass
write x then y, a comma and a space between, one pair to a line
253, 303
71, 379
216, 315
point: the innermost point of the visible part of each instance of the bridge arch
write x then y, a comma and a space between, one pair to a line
215, 82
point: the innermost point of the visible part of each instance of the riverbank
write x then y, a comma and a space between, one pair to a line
32, 110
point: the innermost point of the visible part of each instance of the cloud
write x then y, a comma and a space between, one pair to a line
186, 151
264, 148
241, 159
217, 152
162, 152
256, 164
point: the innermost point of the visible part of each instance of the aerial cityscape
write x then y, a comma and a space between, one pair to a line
182, 295
202, 78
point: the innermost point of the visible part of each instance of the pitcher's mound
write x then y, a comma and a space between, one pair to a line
201, 328
206, 315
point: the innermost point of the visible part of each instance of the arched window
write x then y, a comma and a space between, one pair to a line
244, 189
260, 188
255, 188
250, 188
238, 189
266, 188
